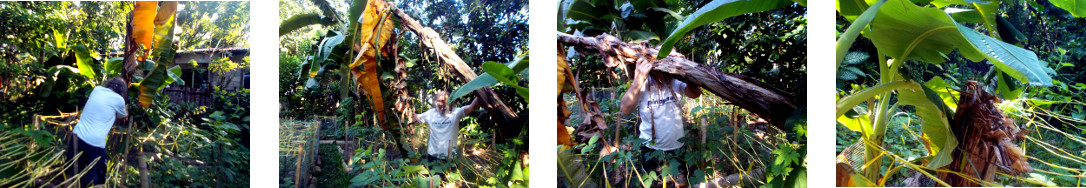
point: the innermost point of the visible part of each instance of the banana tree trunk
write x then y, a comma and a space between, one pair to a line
432, 40
769, 103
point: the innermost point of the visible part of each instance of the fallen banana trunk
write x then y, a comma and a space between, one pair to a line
430, 39
756, 177
767, 102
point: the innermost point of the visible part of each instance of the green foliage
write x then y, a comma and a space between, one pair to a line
714, 12
573, 170
935, 125
64, 49
302, 20
851, 69
87, 67
508, 74
229, 28
772, 44
1029, 106
1076, 7
222, 66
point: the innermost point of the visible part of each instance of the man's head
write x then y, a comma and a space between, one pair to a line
117, 85
439, 100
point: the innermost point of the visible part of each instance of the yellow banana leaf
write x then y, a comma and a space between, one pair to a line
368, 80
563, 131
143, 28
377, 12
375, 31
165, 11
562, 68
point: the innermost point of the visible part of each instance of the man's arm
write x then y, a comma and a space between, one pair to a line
633, 93
417, 118
472, 107
121, 114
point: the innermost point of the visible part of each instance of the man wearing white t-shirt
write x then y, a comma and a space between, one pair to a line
104, 108
444, 125
656, 97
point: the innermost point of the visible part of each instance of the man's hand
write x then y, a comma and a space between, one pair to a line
629, 100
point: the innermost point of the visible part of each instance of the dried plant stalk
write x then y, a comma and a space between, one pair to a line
986, 135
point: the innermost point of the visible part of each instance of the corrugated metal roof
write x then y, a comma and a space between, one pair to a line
114, 54
213, 49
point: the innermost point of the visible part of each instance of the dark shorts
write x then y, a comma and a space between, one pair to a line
432, 158
97, 173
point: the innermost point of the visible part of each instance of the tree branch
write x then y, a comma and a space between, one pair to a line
432, 40
767, 102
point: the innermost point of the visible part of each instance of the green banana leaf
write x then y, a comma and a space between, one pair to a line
506, 73
85, 63
934, 123
714, 12
904, 30
298, 21
1077, 8
573, 169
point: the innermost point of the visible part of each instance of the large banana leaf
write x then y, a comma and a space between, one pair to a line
155, 80
714, 12
114, 66
584, 11
149, 85
983, 12
903, 30
85, 62
324, 50
573, 169
375, 30
298, 21
934, 124
57, 78
358, 7
1017, 62
143, 25
505, 74
1076, 7
326, 8
945, 92
61, 40
850, 9
163, 40
166, 10
376, 24
861, 122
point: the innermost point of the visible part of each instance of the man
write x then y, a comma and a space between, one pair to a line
661, 113
104, 108
444, 125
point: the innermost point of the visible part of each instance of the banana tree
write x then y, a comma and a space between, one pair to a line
905, 31
354, 51
581, 17
150, 48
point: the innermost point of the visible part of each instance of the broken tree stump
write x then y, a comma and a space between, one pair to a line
986, 135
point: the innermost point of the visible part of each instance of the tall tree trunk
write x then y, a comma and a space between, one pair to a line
131, 67
433, 41
767, 102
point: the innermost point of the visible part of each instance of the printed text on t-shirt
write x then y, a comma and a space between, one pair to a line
658, 102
